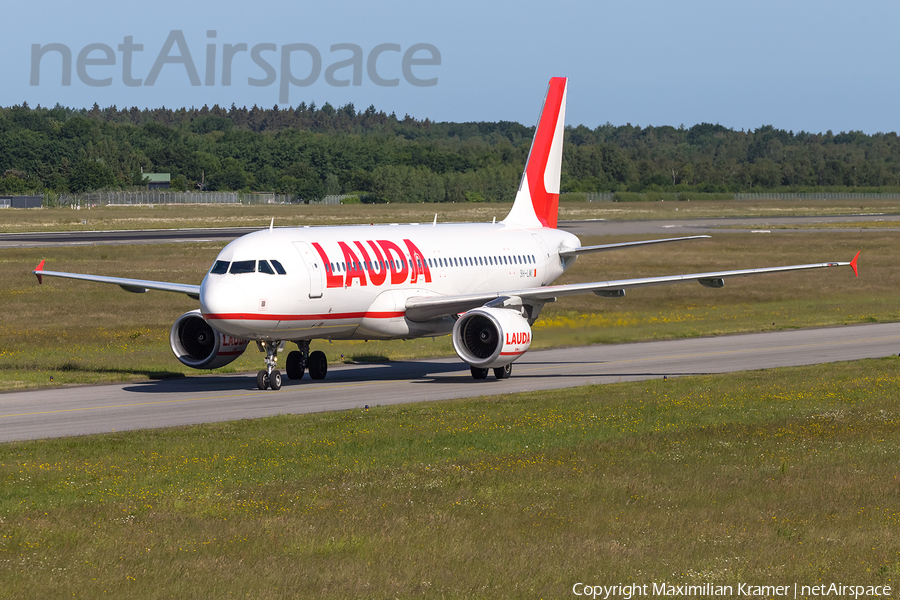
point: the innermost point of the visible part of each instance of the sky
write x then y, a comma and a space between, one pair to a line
798, 65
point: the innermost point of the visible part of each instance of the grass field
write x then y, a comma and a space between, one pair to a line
187, 216
766, 478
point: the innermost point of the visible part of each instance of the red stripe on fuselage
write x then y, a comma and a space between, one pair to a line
321, 317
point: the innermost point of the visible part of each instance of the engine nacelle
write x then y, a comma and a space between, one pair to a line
199, 346
491, 337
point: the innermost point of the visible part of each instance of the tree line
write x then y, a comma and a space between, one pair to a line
309, 152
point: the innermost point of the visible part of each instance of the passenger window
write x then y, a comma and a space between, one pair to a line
265, 268
239, 267
220, 267
278, 268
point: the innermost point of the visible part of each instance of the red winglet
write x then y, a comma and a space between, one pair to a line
853, 264
40, 267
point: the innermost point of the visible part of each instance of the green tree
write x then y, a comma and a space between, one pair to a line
89, 175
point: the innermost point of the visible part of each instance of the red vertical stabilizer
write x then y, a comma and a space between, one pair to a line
537, 201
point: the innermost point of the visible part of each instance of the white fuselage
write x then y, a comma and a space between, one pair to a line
352, 282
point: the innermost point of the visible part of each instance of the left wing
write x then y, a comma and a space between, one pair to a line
137, 286
423, 308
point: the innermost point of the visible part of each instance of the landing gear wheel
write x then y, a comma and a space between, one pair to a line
503, 372
295, 366
479, 373
275, 380
262, 380
317, 365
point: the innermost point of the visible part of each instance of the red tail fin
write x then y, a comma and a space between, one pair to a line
537, 201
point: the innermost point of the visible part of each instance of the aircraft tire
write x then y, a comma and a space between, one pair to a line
275, 380
317, 365
262, 380
503, 372
294, 365
479, 373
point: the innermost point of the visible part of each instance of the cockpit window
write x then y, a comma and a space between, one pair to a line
265, 268
278, 268
220, 268
240, 267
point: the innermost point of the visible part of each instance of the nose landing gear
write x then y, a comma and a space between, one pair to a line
270, 377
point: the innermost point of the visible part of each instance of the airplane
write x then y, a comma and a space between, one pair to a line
483, 283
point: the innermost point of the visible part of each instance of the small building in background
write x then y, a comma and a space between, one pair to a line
158, 181
21, 201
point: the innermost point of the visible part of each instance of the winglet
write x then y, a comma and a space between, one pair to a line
853, 264
40, 267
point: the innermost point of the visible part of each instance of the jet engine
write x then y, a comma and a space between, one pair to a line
491, 337
199, 346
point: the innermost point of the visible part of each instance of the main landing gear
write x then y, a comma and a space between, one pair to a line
298, 362
303, 360
499, 372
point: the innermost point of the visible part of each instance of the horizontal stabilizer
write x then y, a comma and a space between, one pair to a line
604, 247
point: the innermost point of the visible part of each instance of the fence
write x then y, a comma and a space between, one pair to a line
162, 197
638, 196
586, 197
147, 198
818, 196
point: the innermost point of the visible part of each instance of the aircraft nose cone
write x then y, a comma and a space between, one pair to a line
222, 300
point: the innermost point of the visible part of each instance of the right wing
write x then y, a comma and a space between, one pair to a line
136, 286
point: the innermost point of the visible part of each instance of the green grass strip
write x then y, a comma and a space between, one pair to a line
767, 478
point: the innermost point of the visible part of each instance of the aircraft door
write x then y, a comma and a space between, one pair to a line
543, 258
316, 270
545, 251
